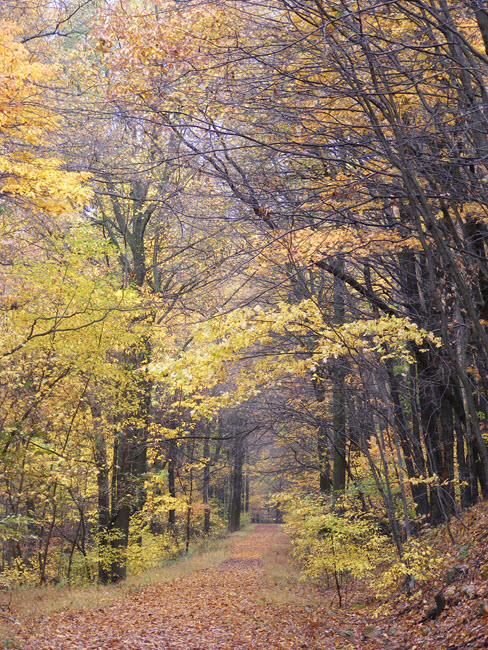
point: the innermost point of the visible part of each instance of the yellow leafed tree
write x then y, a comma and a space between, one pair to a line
26, 124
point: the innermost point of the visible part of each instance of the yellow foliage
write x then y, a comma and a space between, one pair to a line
346, 544
27, 122
222, 349
419, 562
349, 543
147, 550
67, 297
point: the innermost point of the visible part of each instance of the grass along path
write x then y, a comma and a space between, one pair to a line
242, 603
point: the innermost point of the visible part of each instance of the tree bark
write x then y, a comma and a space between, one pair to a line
236, 485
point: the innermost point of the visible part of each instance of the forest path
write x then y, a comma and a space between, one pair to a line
235, 605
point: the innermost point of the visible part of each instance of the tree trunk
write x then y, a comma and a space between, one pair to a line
172, 453
339, 399
206, 486
236, 486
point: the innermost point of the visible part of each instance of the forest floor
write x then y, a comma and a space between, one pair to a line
253, 600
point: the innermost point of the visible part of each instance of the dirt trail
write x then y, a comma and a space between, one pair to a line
225, 607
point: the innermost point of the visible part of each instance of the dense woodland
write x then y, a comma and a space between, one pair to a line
243, 276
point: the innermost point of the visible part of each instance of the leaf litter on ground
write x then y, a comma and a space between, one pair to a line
231, 606
253, 601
